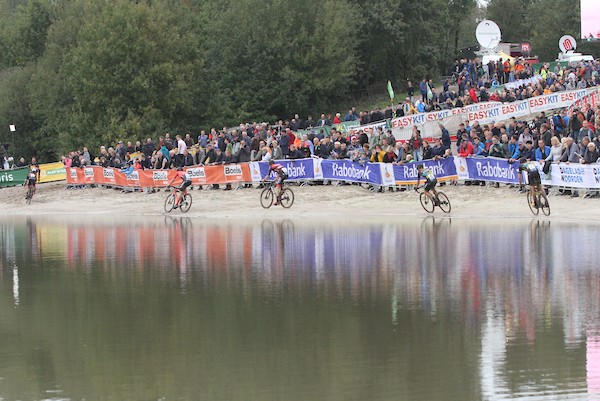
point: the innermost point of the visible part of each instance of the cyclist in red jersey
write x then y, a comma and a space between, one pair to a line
186, 181
281, 176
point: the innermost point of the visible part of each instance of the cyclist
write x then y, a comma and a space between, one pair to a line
533, 175
281, 176
32, 177
430, 182
186, 181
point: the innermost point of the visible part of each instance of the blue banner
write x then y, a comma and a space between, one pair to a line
443, 169
492, 169
346, 170
298, 169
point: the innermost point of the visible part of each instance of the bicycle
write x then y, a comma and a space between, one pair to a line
539, 201
30, 193
185, 203
429, 201
267, 196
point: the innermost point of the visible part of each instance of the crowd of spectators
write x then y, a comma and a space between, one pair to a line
576, 135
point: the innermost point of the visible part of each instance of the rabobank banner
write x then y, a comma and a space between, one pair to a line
346, 170
406, 174
298, 169
487, 169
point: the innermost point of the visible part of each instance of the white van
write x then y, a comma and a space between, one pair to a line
573, 57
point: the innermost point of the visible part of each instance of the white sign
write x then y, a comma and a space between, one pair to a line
12, 128
567, 43
488, 34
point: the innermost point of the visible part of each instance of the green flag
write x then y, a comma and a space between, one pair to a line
391, 91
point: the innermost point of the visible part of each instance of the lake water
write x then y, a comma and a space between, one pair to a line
427, 309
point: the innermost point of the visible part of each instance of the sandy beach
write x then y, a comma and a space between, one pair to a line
311, 202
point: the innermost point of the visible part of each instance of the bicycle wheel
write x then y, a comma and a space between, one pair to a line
266, 198
532, 206
287, 198
426, 202
444, 202
544, 204
186, 203
169, 203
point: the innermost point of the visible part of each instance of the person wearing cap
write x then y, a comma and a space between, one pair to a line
354, 144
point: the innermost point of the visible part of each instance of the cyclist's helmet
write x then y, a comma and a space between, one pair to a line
179, 168
271, 161
419, 166
522, 160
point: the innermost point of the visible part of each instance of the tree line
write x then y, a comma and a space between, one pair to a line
80, 72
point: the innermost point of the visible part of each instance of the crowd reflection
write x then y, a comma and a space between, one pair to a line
503, 280
514, 270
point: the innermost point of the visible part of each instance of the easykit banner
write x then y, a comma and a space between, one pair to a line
11, 178
554, 100
487, 169
52, 172
368, 129
406, 174
591, 100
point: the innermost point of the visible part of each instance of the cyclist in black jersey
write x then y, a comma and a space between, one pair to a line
533, 176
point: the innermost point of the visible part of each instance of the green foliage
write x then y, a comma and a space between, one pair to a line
80, 72
510, 15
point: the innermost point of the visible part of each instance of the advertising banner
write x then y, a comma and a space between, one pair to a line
10, 178
573, 175
52, 172
443, 169
299, 169
346, 170
554, 101
221, 174
487, 169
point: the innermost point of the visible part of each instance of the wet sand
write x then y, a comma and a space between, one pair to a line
348, 202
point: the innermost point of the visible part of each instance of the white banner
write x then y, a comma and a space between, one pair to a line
487, 112
555, 100
573, 175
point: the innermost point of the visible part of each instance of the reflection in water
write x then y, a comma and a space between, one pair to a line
485, 310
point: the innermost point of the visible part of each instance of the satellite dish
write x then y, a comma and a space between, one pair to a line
488, 34
567, 43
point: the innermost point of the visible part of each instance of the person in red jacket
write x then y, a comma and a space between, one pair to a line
473, 95
466, 147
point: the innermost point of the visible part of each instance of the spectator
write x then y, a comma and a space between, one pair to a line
591, 156
496, 149
585, 131
294, 153
438, 150
389, 156
426, 151
543, 151
570, 151
555, 150
416, 144
466, 148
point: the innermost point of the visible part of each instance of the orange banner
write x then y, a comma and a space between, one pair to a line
201, 175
